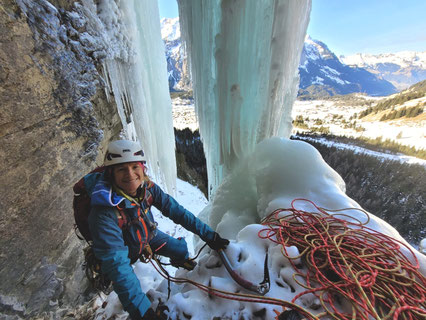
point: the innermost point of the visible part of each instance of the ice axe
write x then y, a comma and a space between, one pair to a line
261, 288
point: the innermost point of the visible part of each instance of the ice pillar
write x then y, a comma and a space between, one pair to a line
244, 58
136, 73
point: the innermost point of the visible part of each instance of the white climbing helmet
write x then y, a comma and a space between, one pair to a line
122, 151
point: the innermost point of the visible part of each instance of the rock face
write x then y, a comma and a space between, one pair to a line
190, 158
177, 62
55, 122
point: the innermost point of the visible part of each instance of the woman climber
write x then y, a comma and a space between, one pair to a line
123, 227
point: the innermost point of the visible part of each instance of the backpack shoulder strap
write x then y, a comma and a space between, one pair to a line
148, 199
121, 216
149, 184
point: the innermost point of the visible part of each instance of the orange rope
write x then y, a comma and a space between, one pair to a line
346, 259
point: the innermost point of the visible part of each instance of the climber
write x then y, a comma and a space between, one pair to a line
123, 228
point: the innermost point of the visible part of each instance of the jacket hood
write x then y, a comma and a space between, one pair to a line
101, 193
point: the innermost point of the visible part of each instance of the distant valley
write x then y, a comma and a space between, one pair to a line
399, 117
397, 121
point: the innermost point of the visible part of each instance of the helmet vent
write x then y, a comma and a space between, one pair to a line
110, 156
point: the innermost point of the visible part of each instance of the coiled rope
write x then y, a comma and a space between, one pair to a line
343, 258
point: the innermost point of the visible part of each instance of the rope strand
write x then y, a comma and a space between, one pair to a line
342, 259
345, 258
234, 295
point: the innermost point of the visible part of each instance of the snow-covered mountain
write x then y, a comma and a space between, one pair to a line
321, 73
320, 70
402, 69
176, 57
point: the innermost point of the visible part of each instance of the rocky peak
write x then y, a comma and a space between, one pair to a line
179, 76
322, 73
170, 29
315, 49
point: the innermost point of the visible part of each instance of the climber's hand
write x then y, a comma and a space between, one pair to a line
218, 242
159, 314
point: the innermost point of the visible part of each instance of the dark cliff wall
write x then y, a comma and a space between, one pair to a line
54, 124
190, 158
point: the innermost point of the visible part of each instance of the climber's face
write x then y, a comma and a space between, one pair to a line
129, 176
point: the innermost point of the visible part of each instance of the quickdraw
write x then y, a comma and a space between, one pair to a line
262, 288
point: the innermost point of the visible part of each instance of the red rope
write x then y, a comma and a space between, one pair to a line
345, 258
233, 295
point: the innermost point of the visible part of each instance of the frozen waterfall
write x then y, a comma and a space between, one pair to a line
244, 57
136, 73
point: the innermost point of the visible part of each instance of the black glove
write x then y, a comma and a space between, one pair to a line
290, 314
187, 264
218, 242
150, 314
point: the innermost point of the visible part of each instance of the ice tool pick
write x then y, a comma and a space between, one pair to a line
262, 288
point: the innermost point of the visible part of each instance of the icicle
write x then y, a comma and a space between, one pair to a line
244, 57
136, 73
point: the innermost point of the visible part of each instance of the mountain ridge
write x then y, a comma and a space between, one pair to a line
402, 69
322, 73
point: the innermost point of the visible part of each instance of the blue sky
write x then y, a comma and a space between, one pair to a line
352, 26
168, 8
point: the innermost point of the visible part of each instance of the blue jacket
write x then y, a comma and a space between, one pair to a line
116, 251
